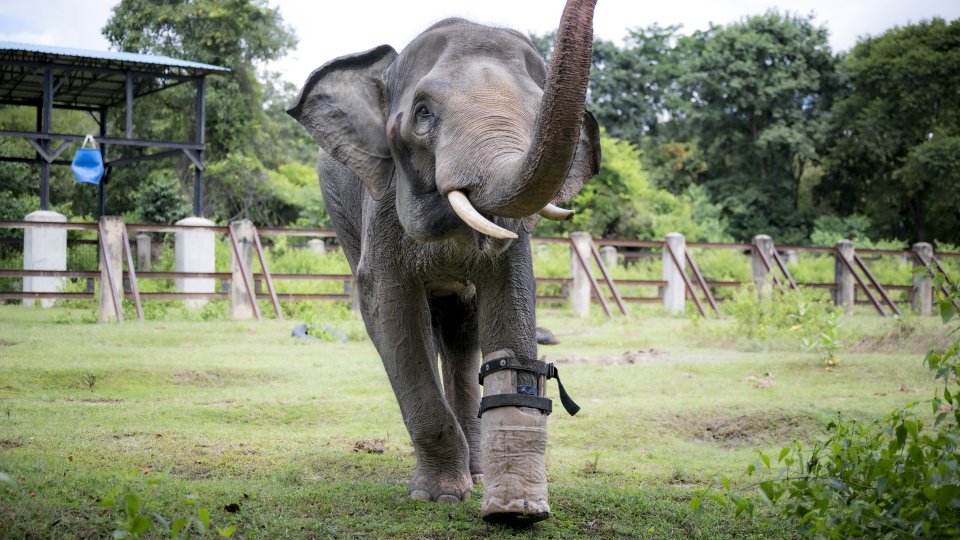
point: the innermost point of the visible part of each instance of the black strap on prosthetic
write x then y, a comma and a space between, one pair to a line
506, 360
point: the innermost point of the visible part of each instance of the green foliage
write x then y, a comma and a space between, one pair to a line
137, 519
820, 328
897, 476
245, 118
240, 187
760, 88
631, 87
161, 201
739, 109
828, 230
621, 202
296, 184
894, 134
794, 315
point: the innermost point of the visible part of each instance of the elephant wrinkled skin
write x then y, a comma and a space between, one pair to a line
463, 108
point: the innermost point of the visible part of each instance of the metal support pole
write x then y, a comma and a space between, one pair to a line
101, 187
199, 139
46, 126
129, 106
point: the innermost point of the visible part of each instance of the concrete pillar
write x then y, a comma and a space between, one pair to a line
44, 249
845, 294
761, 278
350, 287
609, 256
791, 256
580, 289
675, 292
144, 251
922, 282
240, 305
113, 238
195, 251
317, 246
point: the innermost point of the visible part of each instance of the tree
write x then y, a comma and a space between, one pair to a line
241, 35
738, 109
622, 202
759, 90
895, 136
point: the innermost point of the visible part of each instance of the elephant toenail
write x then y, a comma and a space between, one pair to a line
477, 479
420, 495
447, 498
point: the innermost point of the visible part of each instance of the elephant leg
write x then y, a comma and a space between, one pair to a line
455, 326
397, 317
506, 302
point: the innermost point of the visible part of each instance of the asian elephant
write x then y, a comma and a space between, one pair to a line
434, 164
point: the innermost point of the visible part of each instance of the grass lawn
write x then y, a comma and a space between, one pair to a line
278, 436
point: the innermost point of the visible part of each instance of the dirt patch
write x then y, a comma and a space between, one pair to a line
901, 339
217, 377
747, 429
375, 446
7, 444
93, 402
5, 343
629, 357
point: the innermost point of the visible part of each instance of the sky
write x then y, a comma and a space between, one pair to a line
330, 28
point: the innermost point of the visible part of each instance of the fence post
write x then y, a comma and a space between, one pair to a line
609, 256
195, 251
144, 252
240, 306
922, 282
675, 292
763, 244
44, 249
113, 240
316, 245
845, 293
580, 288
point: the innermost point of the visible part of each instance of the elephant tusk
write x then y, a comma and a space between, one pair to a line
556, 213
461, 205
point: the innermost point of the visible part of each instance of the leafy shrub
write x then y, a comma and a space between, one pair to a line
804, 315
161, 201
898, 476
137, 518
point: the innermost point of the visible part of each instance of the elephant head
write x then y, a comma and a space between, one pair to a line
466, 124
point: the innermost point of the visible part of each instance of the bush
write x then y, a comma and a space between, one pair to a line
895, 477
804, 315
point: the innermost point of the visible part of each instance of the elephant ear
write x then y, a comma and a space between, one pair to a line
586, 165
344, 107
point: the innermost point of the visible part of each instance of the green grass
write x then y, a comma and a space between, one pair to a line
243, 413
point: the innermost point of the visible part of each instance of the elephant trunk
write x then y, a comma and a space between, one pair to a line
545, 165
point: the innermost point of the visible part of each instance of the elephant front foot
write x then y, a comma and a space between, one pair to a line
440, 486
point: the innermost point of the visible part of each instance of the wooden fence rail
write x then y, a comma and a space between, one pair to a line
771, 267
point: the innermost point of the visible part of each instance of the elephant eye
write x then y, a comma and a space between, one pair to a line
424, 119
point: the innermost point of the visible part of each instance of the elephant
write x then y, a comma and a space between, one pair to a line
435, 164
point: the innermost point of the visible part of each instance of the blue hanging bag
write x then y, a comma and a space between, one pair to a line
87, 165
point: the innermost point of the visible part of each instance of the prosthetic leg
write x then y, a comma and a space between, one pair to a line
513, 437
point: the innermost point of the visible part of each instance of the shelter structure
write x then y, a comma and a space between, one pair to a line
49, 78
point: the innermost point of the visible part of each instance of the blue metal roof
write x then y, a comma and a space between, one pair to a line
64, 53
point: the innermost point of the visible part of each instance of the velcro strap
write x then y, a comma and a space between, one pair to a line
512, 362
506, 360
515, 400
571, 407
